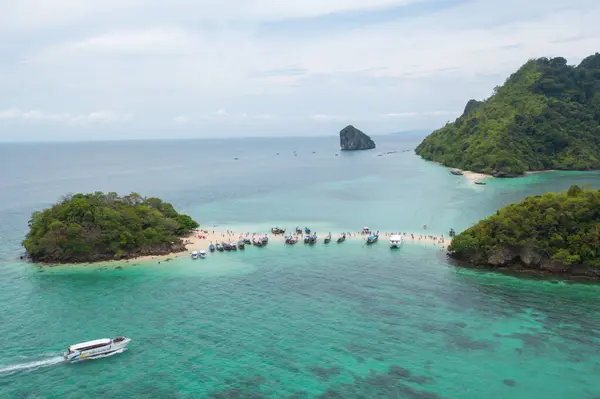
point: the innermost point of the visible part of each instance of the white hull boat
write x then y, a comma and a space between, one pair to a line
396, 241
95, 349
202, 254
195, 254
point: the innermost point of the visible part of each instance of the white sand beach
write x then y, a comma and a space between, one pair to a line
472, 177
201, 240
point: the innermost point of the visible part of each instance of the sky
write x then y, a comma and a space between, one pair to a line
135, 69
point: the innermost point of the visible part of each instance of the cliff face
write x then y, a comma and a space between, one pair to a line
352, 139
523, 258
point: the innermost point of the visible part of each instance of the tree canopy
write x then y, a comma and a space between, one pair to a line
563, 227
98, 226
545, 116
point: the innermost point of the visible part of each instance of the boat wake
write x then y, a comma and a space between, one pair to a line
29, 366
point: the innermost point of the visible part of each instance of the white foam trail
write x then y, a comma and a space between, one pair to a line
32, 365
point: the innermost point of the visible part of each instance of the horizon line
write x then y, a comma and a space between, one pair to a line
73, 141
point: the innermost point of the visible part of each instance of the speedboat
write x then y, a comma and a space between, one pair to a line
194, 254
202, 254
95, 349
396, 241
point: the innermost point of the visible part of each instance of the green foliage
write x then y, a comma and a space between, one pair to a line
545, 116
86, 227
562, 226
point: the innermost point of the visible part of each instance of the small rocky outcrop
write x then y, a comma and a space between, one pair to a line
352, 139
470, 107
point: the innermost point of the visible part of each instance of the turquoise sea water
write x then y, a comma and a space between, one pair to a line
338, 321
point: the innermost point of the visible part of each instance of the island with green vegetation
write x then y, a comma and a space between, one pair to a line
98, 227
546, 116
554, 233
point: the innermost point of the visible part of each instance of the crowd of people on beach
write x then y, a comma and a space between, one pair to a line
230, 234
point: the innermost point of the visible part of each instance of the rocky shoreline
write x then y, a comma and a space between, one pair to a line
526, 260
147, 252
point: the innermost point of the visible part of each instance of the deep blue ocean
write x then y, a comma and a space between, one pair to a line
339, 321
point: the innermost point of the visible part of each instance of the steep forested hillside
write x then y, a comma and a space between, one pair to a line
545, 116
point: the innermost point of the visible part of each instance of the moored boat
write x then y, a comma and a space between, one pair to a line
97, 348
456, 172
226, 246
452, 233
241, 244
211, 247
202, 254
277, 230
257, 242
247, 241
313, 239
194, 254
265, 240
292, 240
372, 239
298, 230
219, 247
328, 239
307, 230
341, 238
233, 246
396, 241
306, 239
480, 183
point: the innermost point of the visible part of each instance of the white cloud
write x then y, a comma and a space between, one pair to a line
38, 14
151, 41
399, 114
415, 114
327, 118
95, 117
277, 9
264, 117
271, 60
181, 119
221, 112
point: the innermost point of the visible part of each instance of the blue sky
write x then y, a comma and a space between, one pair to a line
130, 69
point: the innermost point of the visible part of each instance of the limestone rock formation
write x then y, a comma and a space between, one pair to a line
352, 139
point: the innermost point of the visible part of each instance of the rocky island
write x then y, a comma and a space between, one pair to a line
99, 227
552, 233
352, 139
545, 116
